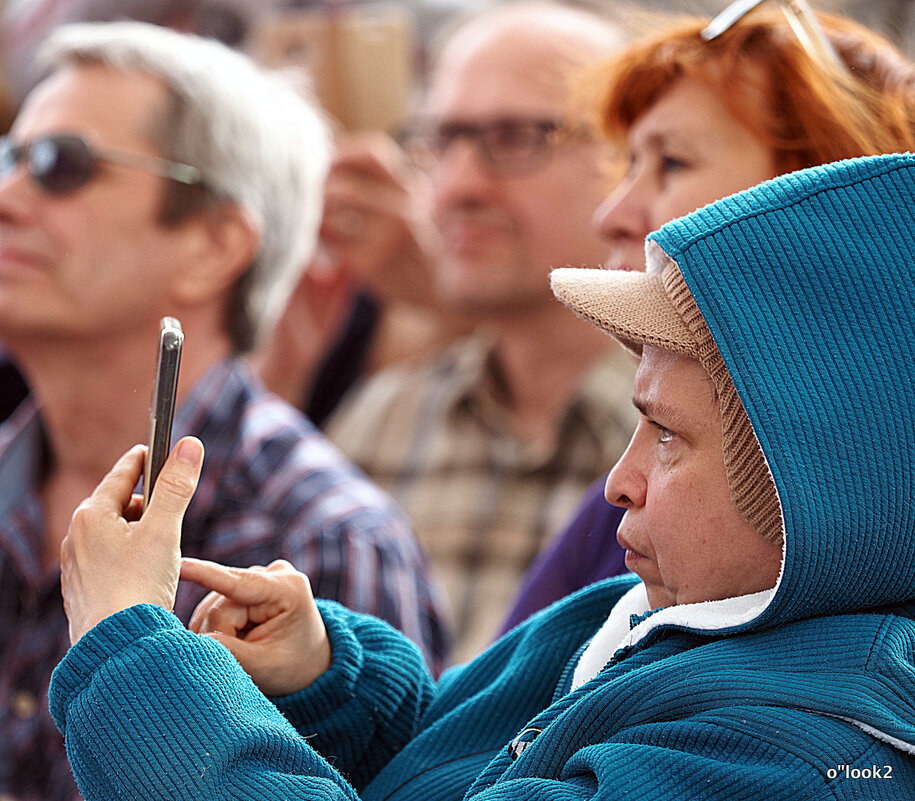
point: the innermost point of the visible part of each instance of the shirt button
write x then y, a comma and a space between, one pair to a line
24, 705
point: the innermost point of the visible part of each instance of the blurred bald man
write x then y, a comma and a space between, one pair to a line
489, 447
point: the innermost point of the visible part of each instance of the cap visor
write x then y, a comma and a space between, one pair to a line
632, 307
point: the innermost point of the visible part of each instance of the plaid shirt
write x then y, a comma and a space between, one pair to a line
272, 487
482, 501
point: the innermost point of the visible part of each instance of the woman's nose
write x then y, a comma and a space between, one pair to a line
626, 485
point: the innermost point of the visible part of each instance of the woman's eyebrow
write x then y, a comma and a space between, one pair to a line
656, 411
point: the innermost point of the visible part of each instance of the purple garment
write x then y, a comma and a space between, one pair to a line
584, 552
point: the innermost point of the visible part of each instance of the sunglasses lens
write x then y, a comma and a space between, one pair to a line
60, 163
9, 155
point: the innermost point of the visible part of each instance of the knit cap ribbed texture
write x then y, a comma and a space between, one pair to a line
749, 479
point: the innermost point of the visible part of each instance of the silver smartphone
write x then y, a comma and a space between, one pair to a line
162, 403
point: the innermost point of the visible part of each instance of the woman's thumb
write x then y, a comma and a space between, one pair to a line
177, 481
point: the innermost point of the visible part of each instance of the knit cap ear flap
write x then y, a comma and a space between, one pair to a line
749, 478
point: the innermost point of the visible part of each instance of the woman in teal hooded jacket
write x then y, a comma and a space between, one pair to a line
768, 651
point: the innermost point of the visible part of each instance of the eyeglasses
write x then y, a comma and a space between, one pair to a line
508, 145
64, 162
800, 17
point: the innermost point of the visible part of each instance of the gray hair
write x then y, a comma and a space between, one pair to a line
258, 140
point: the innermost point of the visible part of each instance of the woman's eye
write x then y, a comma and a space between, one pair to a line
671, 164
657, 433
665, 435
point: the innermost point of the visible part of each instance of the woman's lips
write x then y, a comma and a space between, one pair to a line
13, 261
633, 557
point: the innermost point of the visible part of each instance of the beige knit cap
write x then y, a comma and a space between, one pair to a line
656, 308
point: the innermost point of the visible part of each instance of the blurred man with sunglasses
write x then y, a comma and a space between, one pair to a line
154, 174
489, 446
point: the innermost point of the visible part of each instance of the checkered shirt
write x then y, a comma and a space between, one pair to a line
482, 501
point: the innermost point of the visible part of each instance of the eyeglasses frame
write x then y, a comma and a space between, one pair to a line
556, 131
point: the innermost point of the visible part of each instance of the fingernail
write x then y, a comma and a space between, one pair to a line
189, 451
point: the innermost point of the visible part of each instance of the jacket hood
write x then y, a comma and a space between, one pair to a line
807, 286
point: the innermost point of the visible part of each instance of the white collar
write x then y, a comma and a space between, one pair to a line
617, 633
611, 635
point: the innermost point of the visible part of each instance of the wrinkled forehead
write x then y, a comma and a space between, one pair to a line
678, 387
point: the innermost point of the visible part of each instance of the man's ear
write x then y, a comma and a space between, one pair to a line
221, 243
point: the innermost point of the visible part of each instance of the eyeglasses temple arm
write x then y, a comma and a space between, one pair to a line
183, 173
728, 18
807, 28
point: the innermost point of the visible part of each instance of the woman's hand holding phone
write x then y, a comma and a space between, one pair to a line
112, 558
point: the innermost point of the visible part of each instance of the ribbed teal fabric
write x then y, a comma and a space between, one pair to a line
815, 700
151, 711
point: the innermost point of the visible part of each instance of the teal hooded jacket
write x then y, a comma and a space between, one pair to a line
807, 691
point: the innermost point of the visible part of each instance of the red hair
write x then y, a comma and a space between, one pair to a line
810, 114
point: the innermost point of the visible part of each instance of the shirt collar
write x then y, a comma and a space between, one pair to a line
478, 387
22, 455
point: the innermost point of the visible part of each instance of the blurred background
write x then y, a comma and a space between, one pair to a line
365, 57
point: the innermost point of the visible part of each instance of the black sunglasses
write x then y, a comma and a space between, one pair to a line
64, 162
